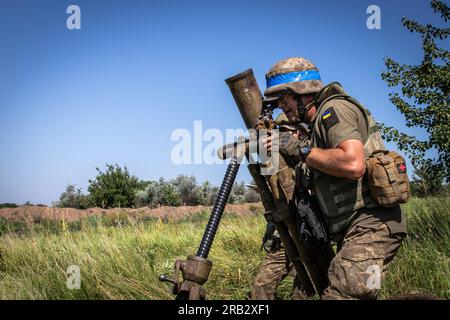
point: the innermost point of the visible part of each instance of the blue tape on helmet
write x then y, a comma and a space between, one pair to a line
295, 76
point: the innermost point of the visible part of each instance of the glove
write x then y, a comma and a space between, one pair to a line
289, 146
268, 239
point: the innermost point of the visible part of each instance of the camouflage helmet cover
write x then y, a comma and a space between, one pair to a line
297, 75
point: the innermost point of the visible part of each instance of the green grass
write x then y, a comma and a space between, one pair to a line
423, 262
120, 258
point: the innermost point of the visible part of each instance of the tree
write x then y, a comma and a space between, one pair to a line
158, 193
425, 102
8, 205
207, 193
141, 199
187, 187
204, 191
147, 196
167, 194
73, 198
114, 188
427, 180
184, 190
237, 193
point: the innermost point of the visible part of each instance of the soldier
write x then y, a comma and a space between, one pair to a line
276, 265
344, 134
274, 269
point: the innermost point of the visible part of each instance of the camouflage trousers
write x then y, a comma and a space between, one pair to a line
360, 265
275, 267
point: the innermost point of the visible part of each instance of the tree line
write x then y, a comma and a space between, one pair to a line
116, 187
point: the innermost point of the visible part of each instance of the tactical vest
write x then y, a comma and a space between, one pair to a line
340, 198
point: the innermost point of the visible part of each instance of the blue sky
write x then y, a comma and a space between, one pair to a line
114, 91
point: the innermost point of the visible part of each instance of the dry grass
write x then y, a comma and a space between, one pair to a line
121, 258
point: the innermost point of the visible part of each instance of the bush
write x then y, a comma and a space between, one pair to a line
186, 187
251, 195
114, 188
166, 194
8, 205
73, 198
184, 190
157, 193
208, 193
237, 193
428, 179
3, 225
140, 199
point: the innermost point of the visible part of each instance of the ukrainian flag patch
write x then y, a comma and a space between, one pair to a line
326, 115
329, 118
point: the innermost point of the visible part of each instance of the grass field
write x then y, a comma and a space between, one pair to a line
121, 258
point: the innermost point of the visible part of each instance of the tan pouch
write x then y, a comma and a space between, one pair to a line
388, 180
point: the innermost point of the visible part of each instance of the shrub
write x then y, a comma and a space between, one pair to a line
114, 188
73, 198
8, 205
157, 193
186, 187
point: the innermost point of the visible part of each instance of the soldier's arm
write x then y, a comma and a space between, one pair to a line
340, 126
346, 161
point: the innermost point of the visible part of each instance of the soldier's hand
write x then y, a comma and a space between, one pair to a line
266, 143
289, 145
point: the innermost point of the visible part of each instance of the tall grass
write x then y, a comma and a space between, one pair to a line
423, 262
121, 259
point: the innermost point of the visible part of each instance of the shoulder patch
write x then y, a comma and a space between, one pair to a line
329, 118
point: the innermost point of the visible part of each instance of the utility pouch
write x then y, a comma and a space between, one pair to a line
388, 180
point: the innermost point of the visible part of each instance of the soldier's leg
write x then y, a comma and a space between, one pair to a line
272, 271
359, 267
298, 292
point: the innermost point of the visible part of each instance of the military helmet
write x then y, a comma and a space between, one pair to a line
282, 122
296, 75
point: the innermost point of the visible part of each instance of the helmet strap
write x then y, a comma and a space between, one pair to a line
300, 108
309, 105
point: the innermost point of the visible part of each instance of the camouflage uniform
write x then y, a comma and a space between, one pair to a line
274, 269
276, 265
361, 262
367, 234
